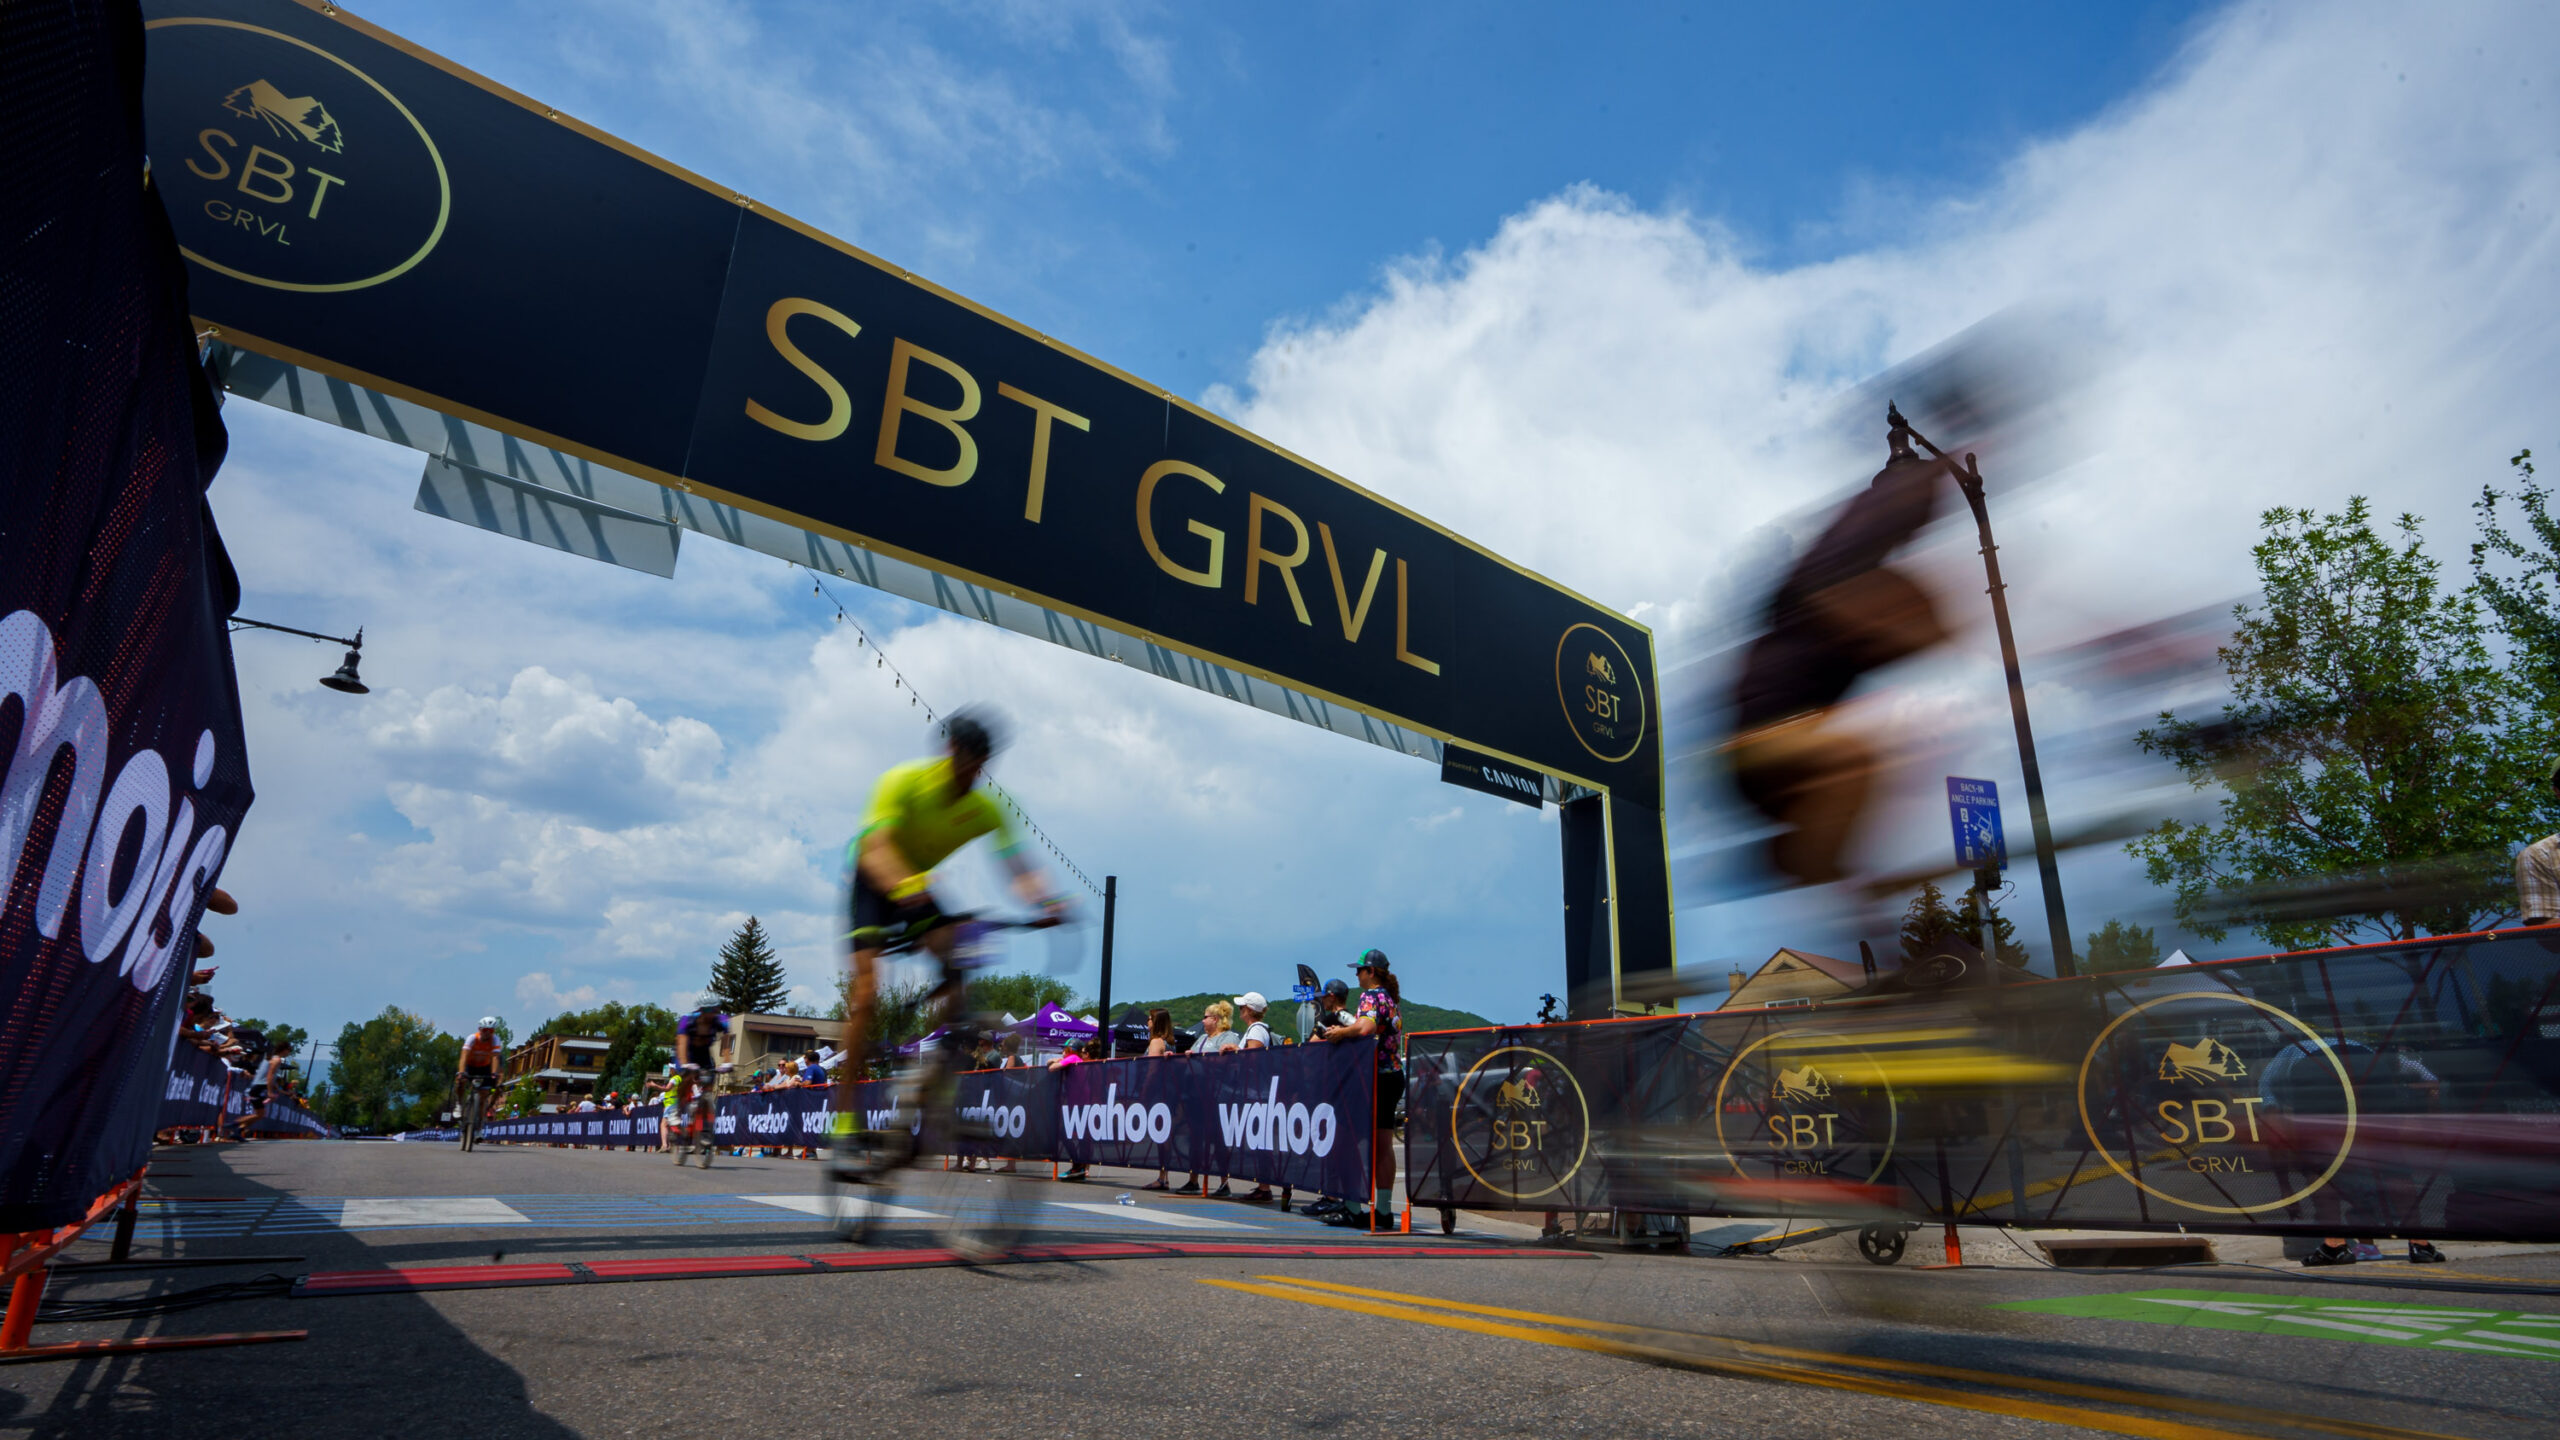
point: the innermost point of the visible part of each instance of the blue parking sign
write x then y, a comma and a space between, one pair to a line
1973, 808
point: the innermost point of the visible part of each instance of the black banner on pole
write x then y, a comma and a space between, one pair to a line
125, 774
2406, 1089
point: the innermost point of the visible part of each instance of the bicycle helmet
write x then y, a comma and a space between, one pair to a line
974, 730
488, 1022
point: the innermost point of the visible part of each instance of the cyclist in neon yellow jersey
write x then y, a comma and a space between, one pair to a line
920, 813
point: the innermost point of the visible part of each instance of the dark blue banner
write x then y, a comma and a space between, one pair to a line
199, 1085
2408, 1089
289, 1119
126, 776
1301, 1116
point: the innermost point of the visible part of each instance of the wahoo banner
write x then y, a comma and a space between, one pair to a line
2408, 1089
1300, 1116
122, 771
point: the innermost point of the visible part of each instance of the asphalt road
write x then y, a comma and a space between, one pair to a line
1814, 1343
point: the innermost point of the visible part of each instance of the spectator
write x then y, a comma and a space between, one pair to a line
1217, 1036
2538, 869
1009, 1055
1160, 1045
812, 1072
1077, 1055
1379, 1015
1254, 1036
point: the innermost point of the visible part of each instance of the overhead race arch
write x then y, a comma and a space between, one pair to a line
599, 351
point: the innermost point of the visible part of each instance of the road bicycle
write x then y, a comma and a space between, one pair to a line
475, 1108
908, 1167
697, 1134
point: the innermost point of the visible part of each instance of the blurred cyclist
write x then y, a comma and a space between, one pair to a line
920, 813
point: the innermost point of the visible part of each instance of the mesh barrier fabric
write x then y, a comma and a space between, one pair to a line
119, 713
2409, 1089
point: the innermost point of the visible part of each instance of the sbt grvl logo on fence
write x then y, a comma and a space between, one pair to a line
285, 166
1798, 1105
2218, 1102
1520, 1123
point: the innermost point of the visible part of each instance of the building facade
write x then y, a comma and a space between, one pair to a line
567, 1067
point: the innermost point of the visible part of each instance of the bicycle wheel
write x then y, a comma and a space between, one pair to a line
856, 1184
979, 1214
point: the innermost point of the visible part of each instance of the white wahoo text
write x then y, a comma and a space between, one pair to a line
1008, 1121
1269, 1125
1108, 1119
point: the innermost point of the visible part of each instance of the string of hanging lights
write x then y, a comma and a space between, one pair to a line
898, 680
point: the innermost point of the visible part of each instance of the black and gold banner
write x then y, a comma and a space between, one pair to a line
358, 205
2406, 1089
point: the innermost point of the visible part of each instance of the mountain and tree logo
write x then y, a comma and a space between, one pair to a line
303, 117
1806, 1086
2208, 1061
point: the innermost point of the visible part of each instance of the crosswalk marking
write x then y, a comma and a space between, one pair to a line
825, 1209
1175, 1218
428, 1211
175, 1218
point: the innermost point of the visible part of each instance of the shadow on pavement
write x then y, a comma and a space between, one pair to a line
378, 1366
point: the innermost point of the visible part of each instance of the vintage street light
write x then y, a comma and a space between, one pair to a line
345, 680
1969, 479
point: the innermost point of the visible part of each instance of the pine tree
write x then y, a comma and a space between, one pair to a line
2121, 947
747, 979
1931, 915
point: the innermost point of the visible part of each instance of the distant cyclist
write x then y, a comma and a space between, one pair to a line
481, 1050
697, 1039
920, 813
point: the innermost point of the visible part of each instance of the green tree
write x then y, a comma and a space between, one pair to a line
640, 1038
1931, 916
523, 1098
2118, 946
747, 978
392, 1072
1018, 995
2375, 760
2518, 576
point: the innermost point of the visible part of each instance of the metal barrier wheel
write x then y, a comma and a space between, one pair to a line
1882, 1244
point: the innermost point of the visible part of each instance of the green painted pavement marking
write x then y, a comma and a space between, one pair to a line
2423, 1327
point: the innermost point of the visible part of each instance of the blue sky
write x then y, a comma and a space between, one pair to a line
1589, 289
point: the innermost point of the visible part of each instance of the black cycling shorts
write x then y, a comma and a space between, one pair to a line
1390, 1090
878, 921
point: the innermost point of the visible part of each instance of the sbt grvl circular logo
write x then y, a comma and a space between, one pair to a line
285, 166
1602, 695
1794, 1106
1520, 1123
2217, 1102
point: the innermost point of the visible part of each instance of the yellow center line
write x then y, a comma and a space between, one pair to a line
2221, 1410
1757, 1370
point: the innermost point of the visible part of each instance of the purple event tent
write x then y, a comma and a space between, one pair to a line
1051, 1023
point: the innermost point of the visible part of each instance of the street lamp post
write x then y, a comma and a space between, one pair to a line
345, 680
2048, 871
